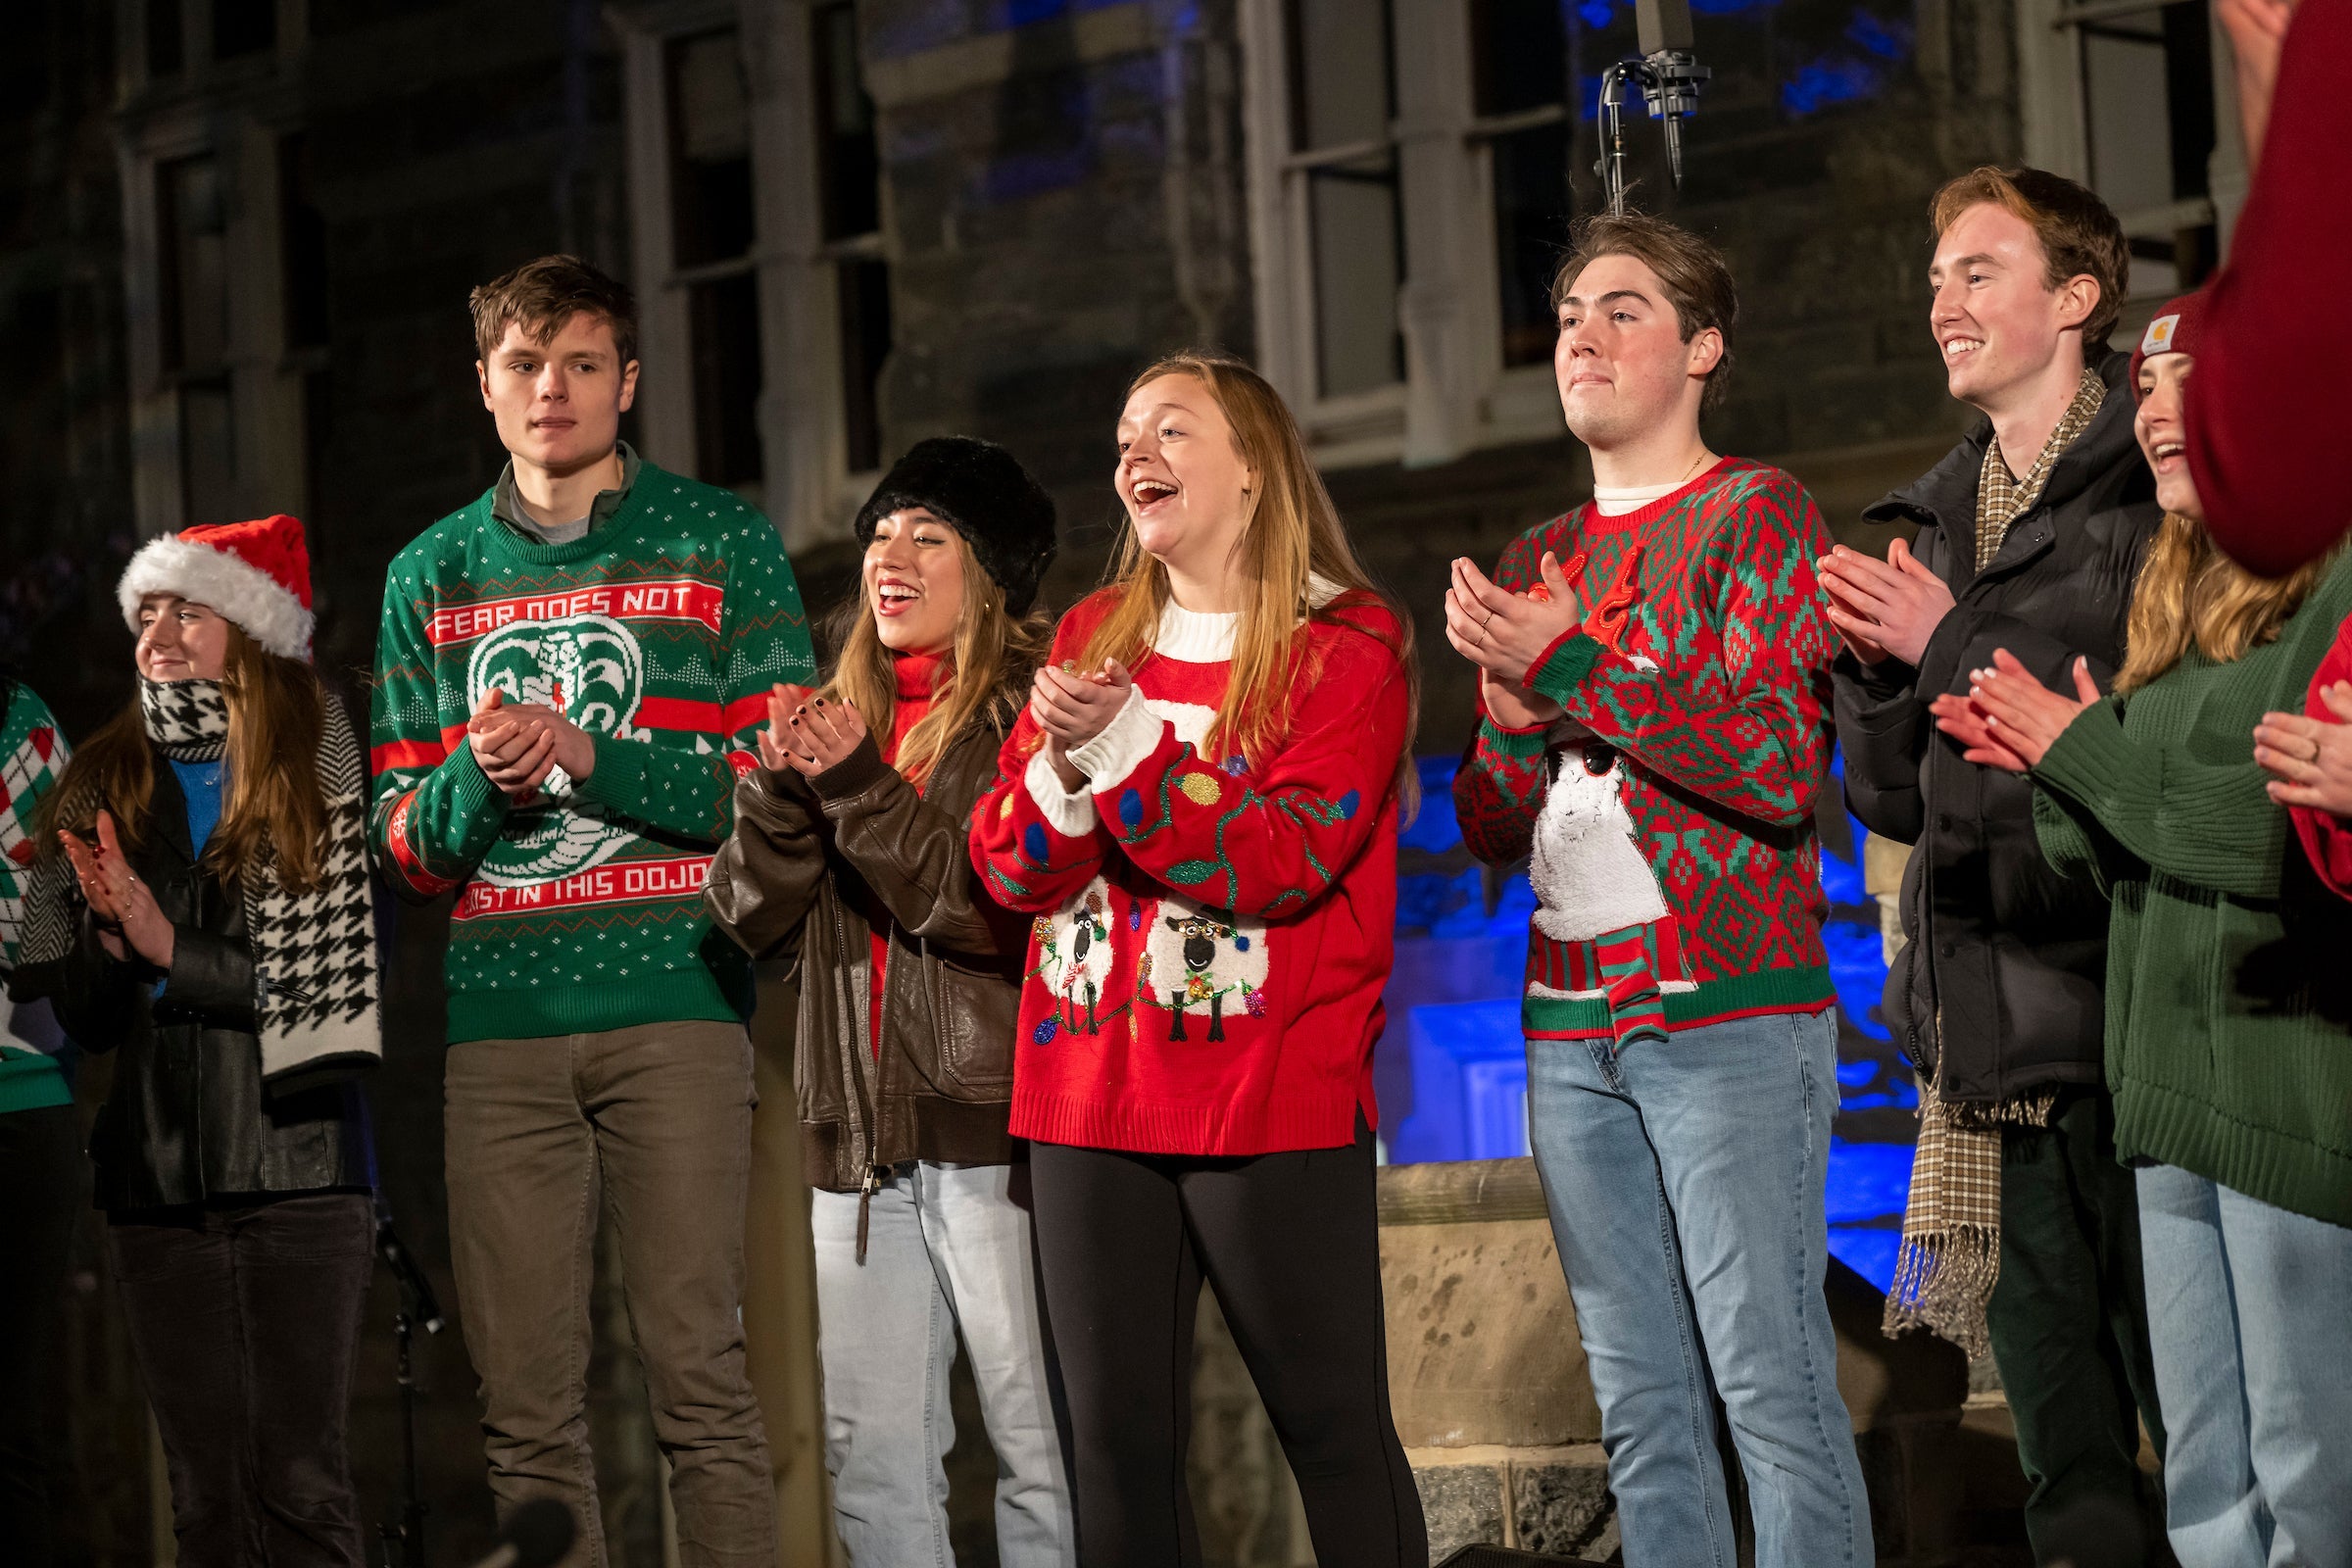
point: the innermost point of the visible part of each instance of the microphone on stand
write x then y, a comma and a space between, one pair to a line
537, 1535
1670, 78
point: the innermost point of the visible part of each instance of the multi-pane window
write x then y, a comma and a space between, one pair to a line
849, 187
2148, 122
1409, 165
710, 247
1342, 175
1521, 99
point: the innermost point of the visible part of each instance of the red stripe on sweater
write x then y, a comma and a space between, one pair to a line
404, 851
407, 754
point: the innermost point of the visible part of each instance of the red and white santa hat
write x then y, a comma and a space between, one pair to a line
257, 574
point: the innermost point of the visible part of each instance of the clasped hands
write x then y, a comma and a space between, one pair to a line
519, 744
1072, 707
127, 915
1504, 633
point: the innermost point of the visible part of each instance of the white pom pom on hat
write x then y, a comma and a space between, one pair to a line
257, 574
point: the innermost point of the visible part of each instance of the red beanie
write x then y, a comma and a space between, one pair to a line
2173, 331
257, 574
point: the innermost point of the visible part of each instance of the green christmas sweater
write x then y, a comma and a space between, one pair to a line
1703, 669
32, 754
659, 634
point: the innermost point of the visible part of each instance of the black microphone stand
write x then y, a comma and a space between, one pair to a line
404, 1531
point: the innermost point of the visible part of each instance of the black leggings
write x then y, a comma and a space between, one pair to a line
1291, 1245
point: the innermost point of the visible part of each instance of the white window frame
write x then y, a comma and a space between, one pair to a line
2057, 130
809, 492
236, 111
1456, 394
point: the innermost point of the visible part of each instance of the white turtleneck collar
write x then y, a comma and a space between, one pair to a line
1203, 637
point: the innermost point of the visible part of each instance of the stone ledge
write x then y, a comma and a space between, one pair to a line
1460, 1192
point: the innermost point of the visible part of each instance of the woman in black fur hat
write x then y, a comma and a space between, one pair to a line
849, 854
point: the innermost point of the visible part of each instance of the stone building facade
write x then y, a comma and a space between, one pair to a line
236, 237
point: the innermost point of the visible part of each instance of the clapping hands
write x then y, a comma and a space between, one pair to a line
2009, 719
127, 915
1073, 709
806, 733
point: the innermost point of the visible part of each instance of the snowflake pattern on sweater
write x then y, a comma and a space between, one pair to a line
659, 634
1211, 936
1711, 682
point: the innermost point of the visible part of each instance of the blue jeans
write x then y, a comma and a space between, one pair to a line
1685, 1182
2250, 1317
947, 1247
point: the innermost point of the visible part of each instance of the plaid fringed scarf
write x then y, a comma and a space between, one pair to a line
1951, 1251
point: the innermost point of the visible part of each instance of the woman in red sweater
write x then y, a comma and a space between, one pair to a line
1200, 808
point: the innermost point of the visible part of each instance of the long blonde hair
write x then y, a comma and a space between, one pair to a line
2191, 593
1290, 532
274, 819
990, 656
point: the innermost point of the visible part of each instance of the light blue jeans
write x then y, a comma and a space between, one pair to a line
947, 1248
1685, 1182
2250, 1319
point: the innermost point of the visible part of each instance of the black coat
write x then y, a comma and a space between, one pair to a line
2013, 955
188, 1121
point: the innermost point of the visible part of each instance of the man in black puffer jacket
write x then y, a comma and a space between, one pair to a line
2023, 1231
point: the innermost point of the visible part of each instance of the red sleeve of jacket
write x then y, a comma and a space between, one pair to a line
2264, 409
2327, 838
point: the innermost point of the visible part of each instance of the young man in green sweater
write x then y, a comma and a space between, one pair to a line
568, 674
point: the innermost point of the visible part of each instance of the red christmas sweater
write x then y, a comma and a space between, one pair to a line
2327, 838
1704, 665
1212, 937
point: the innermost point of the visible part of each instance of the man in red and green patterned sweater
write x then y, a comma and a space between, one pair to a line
1653, 670
569, 674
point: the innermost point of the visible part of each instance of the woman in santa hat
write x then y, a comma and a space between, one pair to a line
205, 913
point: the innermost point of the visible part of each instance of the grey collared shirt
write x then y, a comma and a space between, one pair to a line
506, 504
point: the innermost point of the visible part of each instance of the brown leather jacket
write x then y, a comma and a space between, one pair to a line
811, 870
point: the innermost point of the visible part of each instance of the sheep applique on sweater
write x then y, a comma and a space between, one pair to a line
1073, 957
1198, 959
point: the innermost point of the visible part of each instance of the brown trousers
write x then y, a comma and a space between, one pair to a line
658, 1118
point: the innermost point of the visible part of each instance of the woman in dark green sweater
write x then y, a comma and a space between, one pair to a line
2229, 1008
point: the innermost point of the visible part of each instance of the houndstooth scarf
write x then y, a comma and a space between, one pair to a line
186, 719
314, 976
